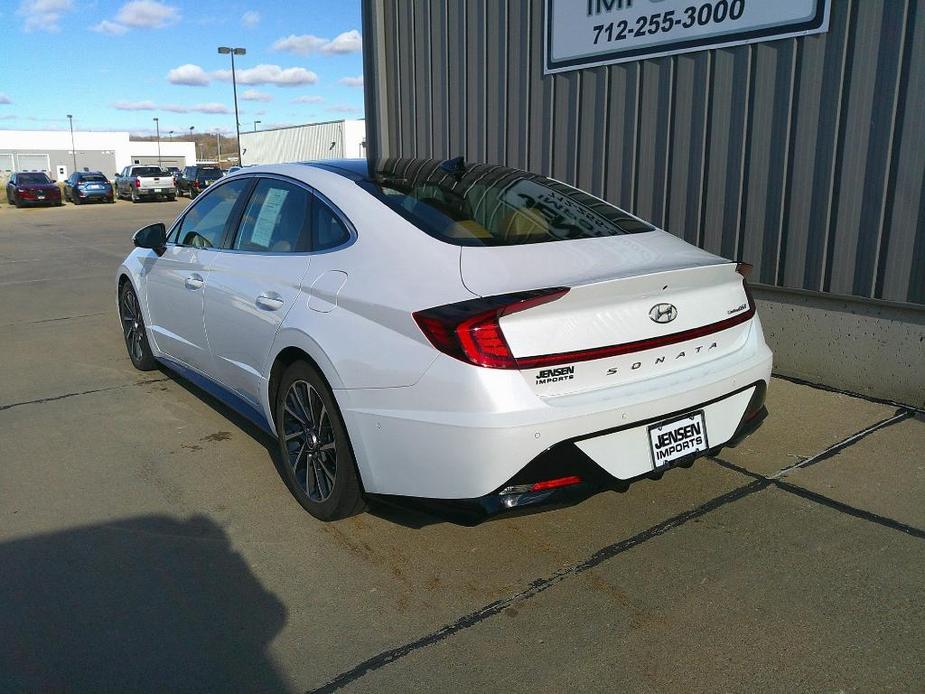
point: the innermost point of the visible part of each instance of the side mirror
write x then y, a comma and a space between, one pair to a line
153, 236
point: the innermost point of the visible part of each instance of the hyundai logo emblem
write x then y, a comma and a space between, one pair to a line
663, 313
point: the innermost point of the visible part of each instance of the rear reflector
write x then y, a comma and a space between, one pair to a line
541, 486
470, 331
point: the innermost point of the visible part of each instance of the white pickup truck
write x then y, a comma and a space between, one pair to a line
139, 182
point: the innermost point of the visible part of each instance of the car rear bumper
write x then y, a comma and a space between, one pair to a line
462, 433
563, 460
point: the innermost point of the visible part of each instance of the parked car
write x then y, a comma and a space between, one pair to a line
174, 171
140, 182
195, 179
86, 186
32, 188
471, 335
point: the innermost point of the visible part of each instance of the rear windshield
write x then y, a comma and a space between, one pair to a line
210, 174
93, 178
483, 205
148, 171
33, 178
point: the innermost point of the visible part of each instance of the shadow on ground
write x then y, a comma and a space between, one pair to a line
147, 603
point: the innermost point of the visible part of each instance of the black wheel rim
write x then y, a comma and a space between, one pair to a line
132, 325
308, 438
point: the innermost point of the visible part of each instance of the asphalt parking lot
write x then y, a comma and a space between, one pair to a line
147, 541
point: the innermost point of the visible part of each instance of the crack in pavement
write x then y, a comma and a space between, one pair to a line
537, 586
52, 398
758, 483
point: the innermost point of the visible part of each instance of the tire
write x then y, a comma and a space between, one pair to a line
133, 330
18, 203
75, 199
171, 198
317, 461
134, 195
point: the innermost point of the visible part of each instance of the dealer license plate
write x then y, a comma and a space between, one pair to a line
678, 438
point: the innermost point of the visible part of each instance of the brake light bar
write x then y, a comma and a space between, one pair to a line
545, 485
470, 330
544, 360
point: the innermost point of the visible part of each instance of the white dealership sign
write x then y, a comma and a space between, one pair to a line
585, 33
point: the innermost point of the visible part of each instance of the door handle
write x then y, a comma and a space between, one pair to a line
270, 301
194, 282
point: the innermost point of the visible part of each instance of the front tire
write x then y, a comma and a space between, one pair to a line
133, 330
318, 462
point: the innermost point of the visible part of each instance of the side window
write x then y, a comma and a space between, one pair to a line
204, 225
327, 229
275, 220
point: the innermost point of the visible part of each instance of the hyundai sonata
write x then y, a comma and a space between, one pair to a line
469, 335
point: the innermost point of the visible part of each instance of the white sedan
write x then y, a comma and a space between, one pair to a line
442, 332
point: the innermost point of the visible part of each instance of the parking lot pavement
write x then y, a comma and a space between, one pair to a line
148, 542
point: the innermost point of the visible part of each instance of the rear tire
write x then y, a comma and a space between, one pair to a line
135, 197
318, 464
133, 330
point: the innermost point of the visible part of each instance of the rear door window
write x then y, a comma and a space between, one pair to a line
204, 225
276, 219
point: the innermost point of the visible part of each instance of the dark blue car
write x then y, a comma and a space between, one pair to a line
84, 186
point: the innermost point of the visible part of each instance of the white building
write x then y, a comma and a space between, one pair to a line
331, 140
108, 152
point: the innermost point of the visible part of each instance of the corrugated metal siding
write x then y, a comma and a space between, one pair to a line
300, 143
804, 156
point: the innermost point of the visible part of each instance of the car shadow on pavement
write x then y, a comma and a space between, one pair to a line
145, 603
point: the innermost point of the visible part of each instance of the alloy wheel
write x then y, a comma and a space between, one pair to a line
309, 441
132, 325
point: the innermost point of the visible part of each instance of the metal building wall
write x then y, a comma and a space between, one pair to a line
298, 143
803, 156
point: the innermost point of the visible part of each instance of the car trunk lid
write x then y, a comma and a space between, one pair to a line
638, 307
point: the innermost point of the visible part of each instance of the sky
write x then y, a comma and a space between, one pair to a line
116, 65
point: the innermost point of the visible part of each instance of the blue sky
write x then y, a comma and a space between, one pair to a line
115, 64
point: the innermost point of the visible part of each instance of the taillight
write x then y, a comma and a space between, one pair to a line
138, 183
470, 330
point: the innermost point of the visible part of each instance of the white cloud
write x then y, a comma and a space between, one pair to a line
306, 44
147, 14
189, 74
308, 100
254, 95
4, 99
43, 15
302, 45
342, 108
172, 108
348, 42
250, 19
111, 28
135, 105
351, 81
270, 74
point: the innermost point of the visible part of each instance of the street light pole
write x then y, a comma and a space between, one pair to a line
157, 124
255, 124
170, 135
70, 120
195, 150
218, 146
234, 85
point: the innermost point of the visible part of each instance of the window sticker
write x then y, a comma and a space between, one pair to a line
269, 216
